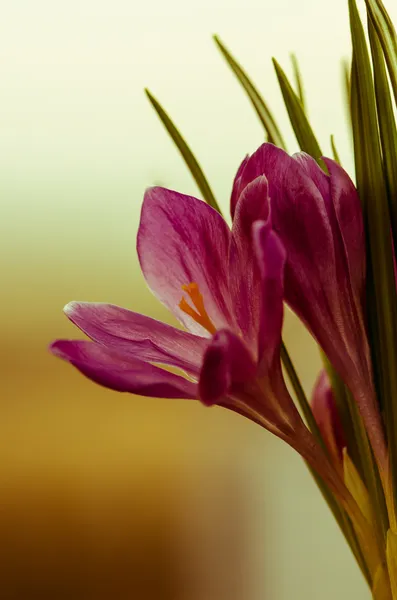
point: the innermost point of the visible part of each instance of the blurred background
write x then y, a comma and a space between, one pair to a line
107, 496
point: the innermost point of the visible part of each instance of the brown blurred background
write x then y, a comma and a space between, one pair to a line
103, 495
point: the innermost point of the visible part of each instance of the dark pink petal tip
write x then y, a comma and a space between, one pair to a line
227, 362
327, 417
122, 373
271, 257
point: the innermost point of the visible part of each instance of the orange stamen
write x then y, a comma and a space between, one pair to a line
198, 313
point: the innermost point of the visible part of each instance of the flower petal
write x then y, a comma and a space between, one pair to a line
326, 415
245, 280
138, 336
349, 215
121, 373
315, 173
317, 284
227, 362
236, 190
271, 257
300, 217
183, 240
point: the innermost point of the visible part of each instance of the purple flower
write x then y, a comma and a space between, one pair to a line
319, 221
226, 287
327, 417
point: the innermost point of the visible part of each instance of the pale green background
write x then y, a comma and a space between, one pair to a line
79, 143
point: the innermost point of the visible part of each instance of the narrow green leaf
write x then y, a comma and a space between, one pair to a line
387, 124
300, 124
355, 113
346, 73
265, 116
381, 290
300, 395
387, 37
334, 150
298, 81
187, 154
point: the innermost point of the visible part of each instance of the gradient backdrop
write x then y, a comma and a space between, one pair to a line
105, 496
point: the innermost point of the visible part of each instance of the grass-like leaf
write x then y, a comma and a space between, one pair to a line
299, 121
381, 290
346, 73
387, 123
387, 36
298, 80
262, 110
301, 396
334, 150
187, 154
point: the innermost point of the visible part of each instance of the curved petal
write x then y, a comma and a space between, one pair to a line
317, 285
343, 206
349, 215
245, 280
271, 257
253, 205
326, 415
316, 174
236, 187
138, 336
182, 240
317, 280
121, 373
226, 362
300, 218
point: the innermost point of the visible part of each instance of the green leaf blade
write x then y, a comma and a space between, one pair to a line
304, 134
262, 110
335, 153
298, 81
186, 153
387, 37
381, 289
387, 124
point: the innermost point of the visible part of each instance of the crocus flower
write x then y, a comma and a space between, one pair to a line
226, 288
318, 219
327, 417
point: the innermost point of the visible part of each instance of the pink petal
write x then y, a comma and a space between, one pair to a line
236, 190
317, 281
227, 362
327, 417
122, 373
138, 336
349, 215
271, 257
183, 240
245, 279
